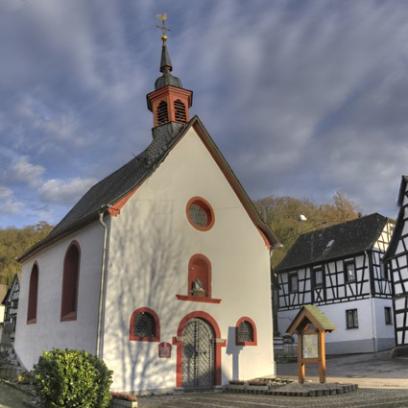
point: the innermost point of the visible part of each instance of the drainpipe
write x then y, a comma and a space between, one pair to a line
102, 282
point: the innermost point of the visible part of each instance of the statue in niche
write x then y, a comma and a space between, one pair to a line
198, 289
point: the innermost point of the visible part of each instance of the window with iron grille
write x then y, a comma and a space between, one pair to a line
144, 325
162, 113
388, 316
352, 319
180, 111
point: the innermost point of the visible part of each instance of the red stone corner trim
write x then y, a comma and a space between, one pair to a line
178, 341
206, 205
133, 337
254, 341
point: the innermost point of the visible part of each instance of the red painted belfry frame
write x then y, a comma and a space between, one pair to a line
219, 343
254, 341
151, 312
207, 207
72, 315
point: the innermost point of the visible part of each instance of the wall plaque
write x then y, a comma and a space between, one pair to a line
164, 350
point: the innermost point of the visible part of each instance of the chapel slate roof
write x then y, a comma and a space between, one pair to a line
336, 241
115, 186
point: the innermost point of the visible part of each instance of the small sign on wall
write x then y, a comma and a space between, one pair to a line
164, 350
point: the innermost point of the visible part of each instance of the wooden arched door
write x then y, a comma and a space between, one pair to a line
198, 358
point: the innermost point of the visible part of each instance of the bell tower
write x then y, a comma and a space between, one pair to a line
169, 102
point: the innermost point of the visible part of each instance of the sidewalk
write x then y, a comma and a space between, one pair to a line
377, 370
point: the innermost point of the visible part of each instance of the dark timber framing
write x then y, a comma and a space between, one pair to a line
396, 265
369, 277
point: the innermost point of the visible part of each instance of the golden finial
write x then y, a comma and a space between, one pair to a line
163, 27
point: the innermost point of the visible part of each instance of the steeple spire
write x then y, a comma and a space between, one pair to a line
169, 102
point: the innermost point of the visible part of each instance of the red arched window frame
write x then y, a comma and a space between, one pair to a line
254, 341
33, 295
153, 314
205, 205
70, 282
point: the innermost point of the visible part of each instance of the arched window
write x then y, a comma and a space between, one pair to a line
33, 296
70, 280
199, 276
162, 113
246, 332
144, 325
180, 109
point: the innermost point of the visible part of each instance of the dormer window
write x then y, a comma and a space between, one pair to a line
162, 113
180, 110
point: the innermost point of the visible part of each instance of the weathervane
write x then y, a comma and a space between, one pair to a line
163, 27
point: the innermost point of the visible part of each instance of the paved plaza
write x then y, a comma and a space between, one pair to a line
363, 398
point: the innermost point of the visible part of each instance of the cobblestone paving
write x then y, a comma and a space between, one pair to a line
364, 398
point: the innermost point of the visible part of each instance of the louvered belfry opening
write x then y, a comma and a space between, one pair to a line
162, 113
180, 110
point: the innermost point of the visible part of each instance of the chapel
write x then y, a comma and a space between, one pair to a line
162, 268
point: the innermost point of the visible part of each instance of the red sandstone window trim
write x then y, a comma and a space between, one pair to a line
254, 341
151, 312
33, 295
207, 207
70, 283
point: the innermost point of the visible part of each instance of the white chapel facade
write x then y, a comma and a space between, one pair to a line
162, 268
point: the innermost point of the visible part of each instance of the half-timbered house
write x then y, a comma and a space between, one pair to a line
10, 303
396, 262
339, 268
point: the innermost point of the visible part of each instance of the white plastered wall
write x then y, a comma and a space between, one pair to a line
49, 332
151, 242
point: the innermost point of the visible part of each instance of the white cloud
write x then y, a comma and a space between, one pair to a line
9, 204
23, 171
64, 191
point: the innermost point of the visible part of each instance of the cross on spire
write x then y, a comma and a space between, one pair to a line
163, 27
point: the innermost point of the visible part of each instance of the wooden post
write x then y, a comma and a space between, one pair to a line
322, 357
301, 363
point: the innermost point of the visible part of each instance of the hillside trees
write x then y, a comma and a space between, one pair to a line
13, 243
282, 215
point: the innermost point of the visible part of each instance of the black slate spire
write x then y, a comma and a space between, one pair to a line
165, 61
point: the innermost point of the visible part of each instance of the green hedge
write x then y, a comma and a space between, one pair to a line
72, 378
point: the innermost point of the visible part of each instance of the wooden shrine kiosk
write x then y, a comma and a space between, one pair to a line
311, 326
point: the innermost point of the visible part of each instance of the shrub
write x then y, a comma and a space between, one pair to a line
71, 379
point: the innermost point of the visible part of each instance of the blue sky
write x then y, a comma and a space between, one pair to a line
304, 98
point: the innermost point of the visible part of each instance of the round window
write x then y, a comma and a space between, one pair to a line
200, 214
